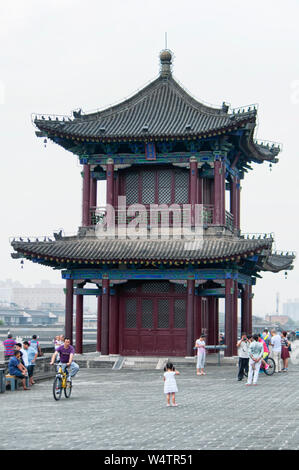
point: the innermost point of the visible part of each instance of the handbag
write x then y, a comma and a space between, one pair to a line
289, 348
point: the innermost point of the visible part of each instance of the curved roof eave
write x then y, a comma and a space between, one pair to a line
163, 106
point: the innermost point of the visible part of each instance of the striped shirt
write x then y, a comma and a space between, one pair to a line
9, 346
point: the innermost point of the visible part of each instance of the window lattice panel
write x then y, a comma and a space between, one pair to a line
180, 313
132, 180
148, 187
163, 313
155, 287
131, 313
165, 187
179, 289
181, 188
147, 314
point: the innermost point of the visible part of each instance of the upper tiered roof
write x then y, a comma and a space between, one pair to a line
161, 110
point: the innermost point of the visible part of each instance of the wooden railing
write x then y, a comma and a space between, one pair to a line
181, 215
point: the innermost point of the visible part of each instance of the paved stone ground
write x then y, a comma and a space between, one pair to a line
126, 410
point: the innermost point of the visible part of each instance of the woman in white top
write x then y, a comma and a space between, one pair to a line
200, 345
170, 386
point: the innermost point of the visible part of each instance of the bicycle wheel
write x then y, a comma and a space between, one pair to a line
68, 389
57, 388
271, 368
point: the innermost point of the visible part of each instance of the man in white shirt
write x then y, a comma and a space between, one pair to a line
243, 345
276, 350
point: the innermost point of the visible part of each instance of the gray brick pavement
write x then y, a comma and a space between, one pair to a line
126, 410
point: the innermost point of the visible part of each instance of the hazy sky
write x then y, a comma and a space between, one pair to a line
57, 56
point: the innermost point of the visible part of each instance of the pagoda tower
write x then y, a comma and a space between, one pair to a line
168, 243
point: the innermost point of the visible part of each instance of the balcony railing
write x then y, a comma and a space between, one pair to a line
157, 216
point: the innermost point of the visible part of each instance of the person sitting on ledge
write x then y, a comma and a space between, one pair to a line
16, 368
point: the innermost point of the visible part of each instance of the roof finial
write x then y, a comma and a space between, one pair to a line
166, 62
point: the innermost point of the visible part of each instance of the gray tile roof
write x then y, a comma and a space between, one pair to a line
163, 107
86, 249
276, 263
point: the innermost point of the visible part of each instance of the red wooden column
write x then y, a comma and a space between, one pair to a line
193, 188
228, 316
105, 318
222, 179
200, 198
93, 192
190, 317
245, 309
86, 196
235, 319
238, 202
235, 201
233, 196
99, 329
197, 317
110, 181
219, 193
217, 320
79, 324
113, 325
250, 296
69, 306
213, 313
110, 194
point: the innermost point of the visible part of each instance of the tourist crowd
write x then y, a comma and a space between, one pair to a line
22, 358
253, 351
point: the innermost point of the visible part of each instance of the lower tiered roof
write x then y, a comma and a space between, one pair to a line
90, 250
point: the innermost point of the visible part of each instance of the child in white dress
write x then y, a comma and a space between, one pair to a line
170, 386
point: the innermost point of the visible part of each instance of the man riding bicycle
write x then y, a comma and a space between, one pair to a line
66, 353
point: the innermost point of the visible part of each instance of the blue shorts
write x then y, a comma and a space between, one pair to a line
18, 374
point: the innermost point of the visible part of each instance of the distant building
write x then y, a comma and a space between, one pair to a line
281, 319
15, 316
291, 309
35, 297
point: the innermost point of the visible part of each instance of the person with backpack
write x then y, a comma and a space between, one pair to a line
35, 344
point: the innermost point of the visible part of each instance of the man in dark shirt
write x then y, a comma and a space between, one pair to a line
66, 352
15, 367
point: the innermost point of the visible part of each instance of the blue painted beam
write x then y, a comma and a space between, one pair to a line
158, 274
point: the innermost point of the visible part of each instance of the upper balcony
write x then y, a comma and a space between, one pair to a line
176, 220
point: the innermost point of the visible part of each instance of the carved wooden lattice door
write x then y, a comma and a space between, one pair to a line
153, 319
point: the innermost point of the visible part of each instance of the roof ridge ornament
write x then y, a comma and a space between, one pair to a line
166, 63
